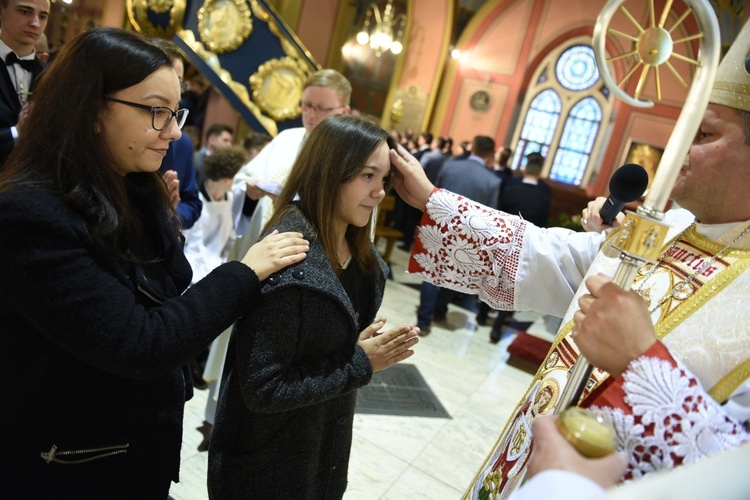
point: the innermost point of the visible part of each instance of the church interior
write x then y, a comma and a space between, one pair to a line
523, 72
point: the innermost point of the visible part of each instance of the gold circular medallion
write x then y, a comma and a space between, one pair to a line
480, 100
160, 6
277, 87
682, 291
224, 25
139, 10
546, 397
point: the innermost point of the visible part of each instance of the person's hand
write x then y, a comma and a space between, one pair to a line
256, 193
275, 252
387, 348
592, 221
409, 178
552, 451
613, 326
173, 187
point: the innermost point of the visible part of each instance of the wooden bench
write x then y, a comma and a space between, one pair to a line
382, 230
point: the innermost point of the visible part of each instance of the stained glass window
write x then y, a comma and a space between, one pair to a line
577, 141
539, 126
576, 68
568, 94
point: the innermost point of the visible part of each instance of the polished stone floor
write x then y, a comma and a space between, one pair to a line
397, 457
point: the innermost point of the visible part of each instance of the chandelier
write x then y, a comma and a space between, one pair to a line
383, 32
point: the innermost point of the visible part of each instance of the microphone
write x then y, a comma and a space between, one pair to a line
627, 184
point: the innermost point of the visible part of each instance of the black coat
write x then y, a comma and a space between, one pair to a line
284, 422
93, 356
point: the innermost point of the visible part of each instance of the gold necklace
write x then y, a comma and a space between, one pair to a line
679, 289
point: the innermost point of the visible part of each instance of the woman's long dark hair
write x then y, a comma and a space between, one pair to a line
336, 151
57, 148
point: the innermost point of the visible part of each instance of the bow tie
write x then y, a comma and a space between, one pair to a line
27, 64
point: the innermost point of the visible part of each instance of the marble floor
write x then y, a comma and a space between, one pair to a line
397, 457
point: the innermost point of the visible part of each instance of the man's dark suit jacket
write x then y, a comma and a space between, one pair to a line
470, 179
530, 201
180, 159
10, 106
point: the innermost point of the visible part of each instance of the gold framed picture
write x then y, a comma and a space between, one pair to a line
646, 155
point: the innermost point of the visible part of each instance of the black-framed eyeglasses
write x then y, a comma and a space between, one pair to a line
161, 116
319, 110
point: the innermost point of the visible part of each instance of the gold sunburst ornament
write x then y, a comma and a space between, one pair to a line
653, 46
224, 25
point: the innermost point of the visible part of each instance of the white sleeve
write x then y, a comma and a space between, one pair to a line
253, 168
671, 419
510, 263
560, 485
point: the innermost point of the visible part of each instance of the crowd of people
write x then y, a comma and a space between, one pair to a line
136, 266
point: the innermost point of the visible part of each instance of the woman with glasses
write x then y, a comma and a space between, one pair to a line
284, 422
95, 327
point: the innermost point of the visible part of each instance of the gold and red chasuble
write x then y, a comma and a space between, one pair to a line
674, 290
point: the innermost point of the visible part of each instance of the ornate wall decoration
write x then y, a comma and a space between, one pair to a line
277, 87
160, 6
212, 60
480, 100
224, 25
171, 12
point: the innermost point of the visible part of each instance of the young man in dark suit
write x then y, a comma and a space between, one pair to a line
22, 22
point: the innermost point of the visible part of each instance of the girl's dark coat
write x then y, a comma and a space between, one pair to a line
284, 423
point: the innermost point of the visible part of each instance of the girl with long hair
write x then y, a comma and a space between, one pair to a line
284, 422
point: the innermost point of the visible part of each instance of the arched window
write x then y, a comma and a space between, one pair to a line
563, 114
577, 141
540, 124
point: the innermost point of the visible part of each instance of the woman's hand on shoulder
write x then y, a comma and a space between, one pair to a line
275, 252
390, 347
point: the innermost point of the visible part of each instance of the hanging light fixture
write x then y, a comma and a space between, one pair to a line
383, 32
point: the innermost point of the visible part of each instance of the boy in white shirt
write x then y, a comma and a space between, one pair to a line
209, 241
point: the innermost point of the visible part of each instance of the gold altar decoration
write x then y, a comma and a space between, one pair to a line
160, 6
239, 89
224, 25
277, 87
138, 15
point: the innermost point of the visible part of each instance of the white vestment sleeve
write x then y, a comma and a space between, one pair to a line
552, 265
560, 485
510, 263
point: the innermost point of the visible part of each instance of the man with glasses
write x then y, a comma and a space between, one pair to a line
177, 167
326, 92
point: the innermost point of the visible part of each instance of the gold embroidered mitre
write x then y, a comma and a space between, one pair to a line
732, 85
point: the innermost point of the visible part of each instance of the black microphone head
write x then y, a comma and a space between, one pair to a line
628, 183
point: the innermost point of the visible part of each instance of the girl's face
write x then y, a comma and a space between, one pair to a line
127, 131
359, 196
